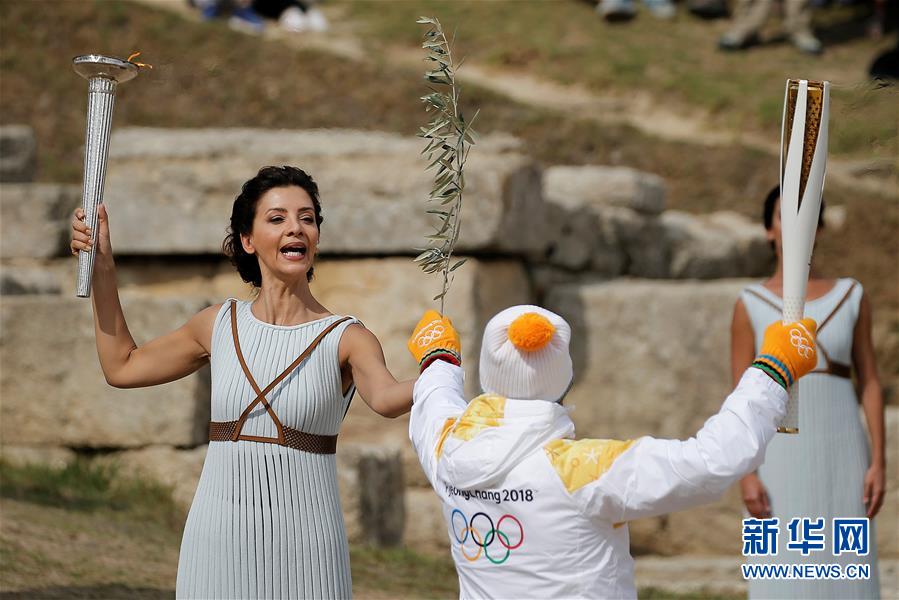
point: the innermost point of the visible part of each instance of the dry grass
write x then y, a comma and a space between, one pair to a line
675, 62
85, 532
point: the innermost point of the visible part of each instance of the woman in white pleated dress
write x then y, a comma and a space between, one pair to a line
829, 470
266, 519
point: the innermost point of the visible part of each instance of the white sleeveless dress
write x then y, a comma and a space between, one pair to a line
820, 471
266, 520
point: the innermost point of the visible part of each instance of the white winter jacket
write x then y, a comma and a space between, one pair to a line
533, 513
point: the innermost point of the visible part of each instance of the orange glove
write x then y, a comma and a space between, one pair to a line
435, 339
788, 351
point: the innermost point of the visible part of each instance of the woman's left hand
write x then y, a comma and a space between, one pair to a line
874, 490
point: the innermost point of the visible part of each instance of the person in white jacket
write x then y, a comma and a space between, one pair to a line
532, 512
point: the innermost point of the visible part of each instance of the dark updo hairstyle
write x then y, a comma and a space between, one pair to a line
768, 210
244, 211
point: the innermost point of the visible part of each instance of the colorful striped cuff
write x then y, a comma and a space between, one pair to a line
444, 354
772, 373
777, 364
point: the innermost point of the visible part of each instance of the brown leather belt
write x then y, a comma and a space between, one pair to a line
223, 431
230, 431
834, 368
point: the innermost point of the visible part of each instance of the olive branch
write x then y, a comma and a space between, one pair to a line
449, 141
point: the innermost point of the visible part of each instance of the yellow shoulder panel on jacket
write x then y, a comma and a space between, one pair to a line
482, 412
580, 462
447, 428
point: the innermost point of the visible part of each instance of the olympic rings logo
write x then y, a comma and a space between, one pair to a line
464, 530
429, 335
800, 342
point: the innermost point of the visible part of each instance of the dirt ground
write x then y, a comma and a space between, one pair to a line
52, 552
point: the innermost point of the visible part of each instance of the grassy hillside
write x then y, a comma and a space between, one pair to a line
675, 63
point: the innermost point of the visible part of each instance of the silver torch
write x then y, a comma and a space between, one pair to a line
103, 74
803, 158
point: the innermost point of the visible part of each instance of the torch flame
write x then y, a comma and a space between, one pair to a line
140, 65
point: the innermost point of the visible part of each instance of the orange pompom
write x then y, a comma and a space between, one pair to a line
531, 332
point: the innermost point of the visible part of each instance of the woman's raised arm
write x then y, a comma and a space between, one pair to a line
166, 358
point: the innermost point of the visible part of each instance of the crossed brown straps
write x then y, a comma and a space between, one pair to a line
833, 367
222, 431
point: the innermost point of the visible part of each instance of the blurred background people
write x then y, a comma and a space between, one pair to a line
751, 15
885, 66
708, 9
240, 13
292, 15
249, 15
624, 10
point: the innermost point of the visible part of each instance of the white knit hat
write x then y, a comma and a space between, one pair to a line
524, 354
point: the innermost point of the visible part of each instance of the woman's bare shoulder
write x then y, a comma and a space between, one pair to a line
358, 340
357, 333
202, 324
208, 314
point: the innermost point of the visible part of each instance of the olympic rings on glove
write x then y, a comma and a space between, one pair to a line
483, 542
800, 342
430, 335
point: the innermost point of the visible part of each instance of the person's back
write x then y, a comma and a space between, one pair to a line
507, 491
530, 511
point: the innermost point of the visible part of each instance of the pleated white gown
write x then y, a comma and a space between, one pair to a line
820, 471
266, 520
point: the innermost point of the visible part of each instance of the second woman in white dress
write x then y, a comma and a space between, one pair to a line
830, 470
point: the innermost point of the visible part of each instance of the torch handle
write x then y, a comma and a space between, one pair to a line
100, 104
793, 309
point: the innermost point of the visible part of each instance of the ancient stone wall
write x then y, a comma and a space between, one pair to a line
648, 292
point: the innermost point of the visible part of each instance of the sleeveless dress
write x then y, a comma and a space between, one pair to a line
819, 472
266, 520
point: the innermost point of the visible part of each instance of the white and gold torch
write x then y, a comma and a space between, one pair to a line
803, 147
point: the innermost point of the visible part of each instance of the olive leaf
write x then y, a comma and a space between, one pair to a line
449, 137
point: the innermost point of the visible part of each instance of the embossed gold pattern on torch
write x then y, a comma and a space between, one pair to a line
814, 104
